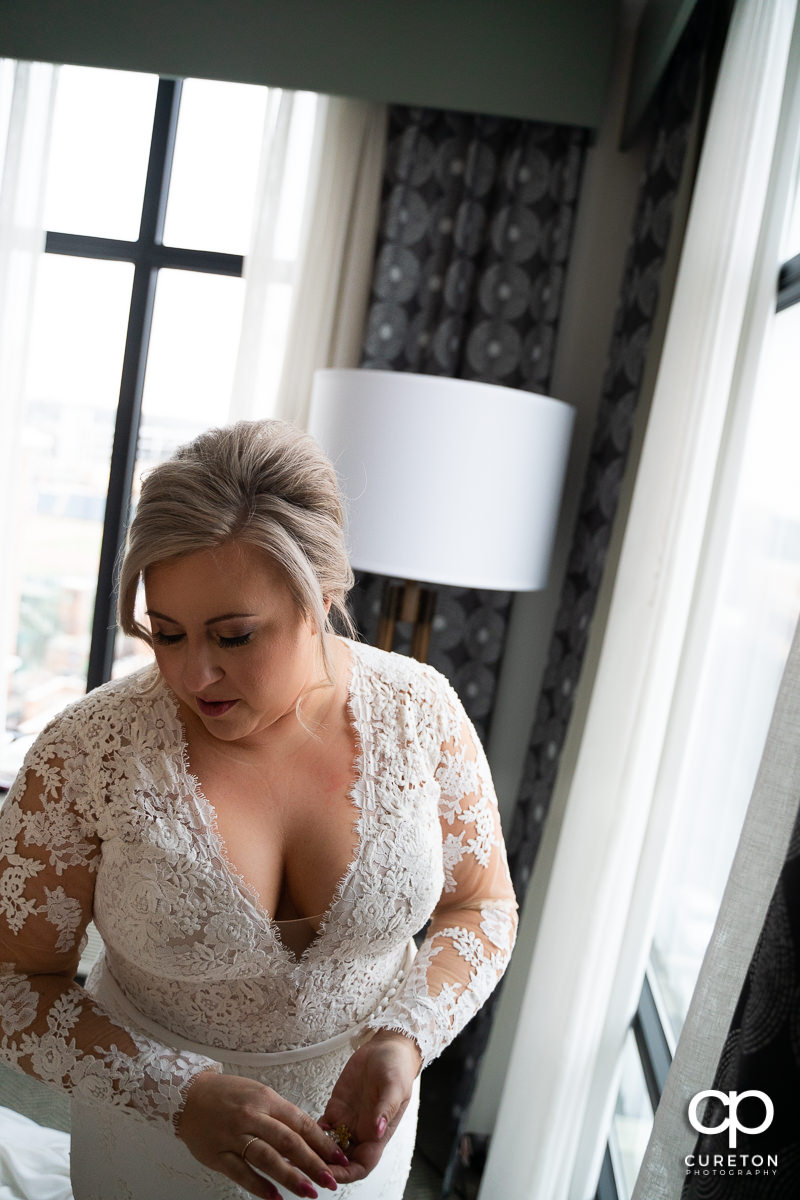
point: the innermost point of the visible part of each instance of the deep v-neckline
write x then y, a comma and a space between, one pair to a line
216, 846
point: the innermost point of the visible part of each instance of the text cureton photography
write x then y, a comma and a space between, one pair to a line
734, 1162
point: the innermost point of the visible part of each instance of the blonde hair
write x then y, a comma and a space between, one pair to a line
261, 482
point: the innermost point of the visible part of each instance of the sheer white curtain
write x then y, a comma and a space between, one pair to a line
317, 321
596, 926
266, 285
27, 93
330, 300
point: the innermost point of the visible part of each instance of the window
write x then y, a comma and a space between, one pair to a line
754, 614
633, 1119
152, 190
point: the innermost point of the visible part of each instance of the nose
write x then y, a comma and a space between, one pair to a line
199, 668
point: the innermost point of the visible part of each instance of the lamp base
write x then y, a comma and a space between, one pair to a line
411, 602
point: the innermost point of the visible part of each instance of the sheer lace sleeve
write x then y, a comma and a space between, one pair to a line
472, 931
49, 1026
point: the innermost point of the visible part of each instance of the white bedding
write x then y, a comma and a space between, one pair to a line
34, 1161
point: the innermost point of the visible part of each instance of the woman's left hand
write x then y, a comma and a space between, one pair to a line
370, 1097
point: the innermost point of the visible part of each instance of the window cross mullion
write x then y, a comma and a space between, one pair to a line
211, 262
126, 429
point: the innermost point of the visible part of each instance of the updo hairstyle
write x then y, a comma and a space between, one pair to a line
262, 482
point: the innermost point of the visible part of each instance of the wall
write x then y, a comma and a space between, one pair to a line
544, 59
662, 24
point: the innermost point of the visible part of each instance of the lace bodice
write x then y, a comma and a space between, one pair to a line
106, 822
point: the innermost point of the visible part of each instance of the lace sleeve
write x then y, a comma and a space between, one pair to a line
49, 1026
472, 931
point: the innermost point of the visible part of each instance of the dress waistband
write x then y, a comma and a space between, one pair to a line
109, 989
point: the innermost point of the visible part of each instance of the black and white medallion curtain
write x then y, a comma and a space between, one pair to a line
473, 241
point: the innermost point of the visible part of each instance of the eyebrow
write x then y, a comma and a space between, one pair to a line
151, 612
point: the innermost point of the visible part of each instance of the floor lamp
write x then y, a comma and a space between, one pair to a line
447, 481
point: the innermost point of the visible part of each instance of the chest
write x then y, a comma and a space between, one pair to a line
167, 891
287, 825
357, 833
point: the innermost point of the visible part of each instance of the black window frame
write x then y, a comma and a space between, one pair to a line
148, 255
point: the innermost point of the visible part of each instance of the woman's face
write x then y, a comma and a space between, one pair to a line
229, 639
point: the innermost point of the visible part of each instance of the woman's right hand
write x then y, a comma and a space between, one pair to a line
223, 1113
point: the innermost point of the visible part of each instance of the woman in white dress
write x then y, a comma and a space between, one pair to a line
258, 825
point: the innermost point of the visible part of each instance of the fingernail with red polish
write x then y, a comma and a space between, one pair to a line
327, 1180
340, 1158
307, 1190
382, 1127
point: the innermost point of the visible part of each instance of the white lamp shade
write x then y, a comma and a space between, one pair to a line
446, 480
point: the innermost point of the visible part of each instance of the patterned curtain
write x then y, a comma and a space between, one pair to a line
472, 248
473, 243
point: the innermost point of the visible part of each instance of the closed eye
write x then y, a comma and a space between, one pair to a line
241, 640
170, 639
166, 639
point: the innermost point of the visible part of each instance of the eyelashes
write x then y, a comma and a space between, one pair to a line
241, 640
166, 639
171, 639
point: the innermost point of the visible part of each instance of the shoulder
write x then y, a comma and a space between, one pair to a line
404, 683
108, 716
399, 672
90, 743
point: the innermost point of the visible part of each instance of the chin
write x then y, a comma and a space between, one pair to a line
222, 735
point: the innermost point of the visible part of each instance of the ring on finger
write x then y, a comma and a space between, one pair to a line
247, 1147
342, 1135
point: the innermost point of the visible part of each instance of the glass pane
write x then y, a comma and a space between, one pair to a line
190, 369
193, 347
77, 342
217, 150
101, 142
632, 1122
756, 611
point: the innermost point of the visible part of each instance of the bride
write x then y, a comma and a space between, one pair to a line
258, 825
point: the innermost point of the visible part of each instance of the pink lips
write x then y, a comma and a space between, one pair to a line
214, 708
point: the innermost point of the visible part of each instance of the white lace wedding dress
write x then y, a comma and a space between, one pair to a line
106, 822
